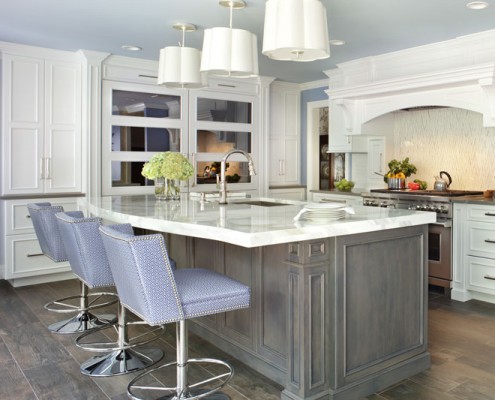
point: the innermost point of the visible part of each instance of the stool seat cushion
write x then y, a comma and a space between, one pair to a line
204, 292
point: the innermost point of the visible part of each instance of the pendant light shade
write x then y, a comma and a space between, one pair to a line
178, 66
295, 30
228, 51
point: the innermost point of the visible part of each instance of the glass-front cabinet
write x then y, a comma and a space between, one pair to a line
221, 122
138, 120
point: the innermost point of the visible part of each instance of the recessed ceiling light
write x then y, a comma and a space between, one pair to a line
130, 47
477, 5
336, 42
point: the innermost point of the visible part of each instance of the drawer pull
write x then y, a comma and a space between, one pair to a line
488, 214
489, 241
34, 255
489, 277
28, 216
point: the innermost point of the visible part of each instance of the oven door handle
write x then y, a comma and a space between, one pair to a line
445, 224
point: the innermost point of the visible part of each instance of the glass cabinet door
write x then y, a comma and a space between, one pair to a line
138, 120
221, 122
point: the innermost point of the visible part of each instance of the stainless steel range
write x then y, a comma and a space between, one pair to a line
439, 233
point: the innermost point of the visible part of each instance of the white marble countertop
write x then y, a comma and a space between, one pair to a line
242, 224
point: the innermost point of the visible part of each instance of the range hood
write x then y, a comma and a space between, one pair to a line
459, 73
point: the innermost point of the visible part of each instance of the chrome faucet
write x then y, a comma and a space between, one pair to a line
223, 181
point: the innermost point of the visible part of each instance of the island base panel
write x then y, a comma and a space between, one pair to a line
334, 318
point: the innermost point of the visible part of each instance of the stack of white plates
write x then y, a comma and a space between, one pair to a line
323, 212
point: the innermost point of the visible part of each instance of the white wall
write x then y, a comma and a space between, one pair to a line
446, 139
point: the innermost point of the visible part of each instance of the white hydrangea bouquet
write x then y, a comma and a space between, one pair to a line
166, 168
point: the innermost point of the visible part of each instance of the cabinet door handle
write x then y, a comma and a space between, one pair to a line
193, 158
34, 255
488, 214
48, 159
42, 168
28, 216
489, 241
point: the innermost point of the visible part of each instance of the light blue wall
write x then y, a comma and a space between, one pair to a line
307, 96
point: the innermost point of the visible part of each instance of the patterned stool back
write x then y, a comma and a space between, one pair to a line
84, 248
46, 228
143, 275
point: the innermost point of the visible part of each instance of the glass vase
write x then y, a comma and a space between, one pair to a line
167, 189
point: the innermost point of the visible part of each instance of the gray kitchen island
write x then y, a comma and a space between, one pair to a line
338, 308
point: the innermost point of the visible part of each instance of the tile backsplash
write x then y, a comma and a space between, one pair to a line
446, 139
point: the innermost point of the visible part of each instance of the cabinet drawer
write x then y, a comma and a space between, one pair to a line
481, 274
17, 215
481, 239
24, 258
483, 213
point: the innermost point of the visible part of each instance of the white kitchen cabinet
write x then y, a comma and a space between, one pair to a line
284, 160
474, 262
288, 193
337, 197
338, 139
368, 160
41, 118
21, 259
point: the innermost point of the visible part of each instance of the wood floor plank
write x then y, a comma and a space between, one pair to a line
63, 381
14, 385
33, 346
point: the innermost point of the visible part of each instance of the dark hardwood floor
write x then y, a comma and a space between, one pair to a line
35, 364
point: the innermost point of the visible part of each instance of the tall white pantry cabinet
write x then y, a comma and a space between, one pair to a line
41, 149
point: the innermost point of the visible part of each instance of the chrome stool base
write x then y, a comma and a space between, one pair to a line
121, 362
83, 304
82, 322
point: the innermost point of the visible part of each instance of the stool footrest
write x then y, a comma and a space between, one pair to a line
72, 304
132, 342
196, 390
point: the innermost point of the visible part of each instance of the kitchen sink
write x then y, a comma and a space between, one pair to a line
261, 203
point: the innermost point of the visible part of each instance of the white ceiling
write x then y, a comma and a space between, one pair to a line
369, 27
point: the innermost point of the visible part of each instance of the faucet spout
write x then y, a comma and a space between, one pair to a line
223, 181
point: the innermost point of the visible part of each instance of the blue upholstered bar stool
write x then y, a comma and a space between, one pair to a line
48, 234
87, 257
149, 287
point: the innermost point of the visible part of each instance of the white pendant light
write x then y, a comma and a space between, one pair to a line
295, 30
228, 51
179, 65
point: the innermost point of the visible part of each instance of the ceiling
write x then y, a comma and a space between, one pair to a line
369, 27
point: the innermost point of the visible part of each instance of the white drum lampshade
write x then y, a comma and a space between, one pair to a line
179, 68
229, 52
295, 30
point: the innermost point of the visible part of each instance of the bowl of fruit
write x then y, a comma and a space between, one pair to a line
398, 172
344, 185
